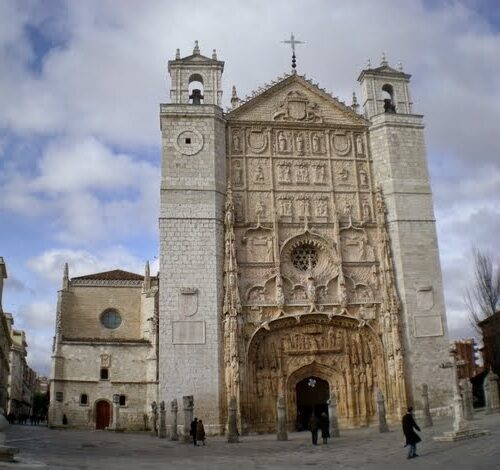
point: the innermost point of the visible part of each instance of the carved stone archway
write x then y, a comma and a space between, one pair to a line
339, 349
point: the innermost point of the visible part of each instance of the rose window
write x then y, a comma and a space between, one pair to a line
305, 255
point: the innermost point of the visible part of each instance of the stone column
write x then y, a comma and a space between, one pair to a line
382, 423
466, 388
162, 433
332, 413
188, 405
174, 436
281, 414
154, 419
115, 423
493, 400
426, 408
232, 425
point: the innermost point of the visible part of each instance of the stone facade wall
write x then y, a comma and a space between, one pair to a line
400, 165
84, 306
191, 257
80, 374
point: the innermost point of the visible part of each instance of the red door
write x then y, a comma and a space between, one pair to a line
102, 414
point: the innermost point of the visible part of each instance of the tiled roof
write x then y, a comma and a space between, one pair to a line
115, 275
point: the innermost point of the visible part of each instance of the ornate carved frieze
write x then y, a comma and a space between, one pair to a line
297, 107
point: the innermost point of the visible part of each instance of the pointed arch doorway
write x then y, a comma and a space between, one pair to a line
312, 395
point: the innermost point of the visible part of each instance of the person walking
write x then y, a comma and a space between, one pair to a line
314, 426
193, 430
324, 424
200, 431
412, 438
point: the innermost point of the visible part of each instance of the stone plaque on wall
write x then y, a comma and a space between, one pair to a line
428, 325
425, 297
188, 332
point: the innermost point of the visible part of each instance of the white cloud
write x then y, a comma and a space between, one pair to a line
49, 264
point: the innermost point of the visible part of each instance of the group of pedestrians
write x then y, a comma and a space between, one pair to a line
197, 431
409, 425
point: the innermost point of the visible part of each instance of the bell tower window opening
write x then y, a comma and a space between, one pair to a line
388, 97
305, 256
196, 87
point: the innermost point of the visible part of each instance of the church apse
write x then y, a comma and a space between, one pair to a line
309, 282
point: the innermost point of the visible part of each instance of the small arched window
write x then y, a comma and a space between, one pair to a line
84, 399
388, 97
123, 400
196, 89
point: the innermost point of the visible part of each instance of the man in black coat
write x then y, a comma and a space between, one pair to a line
314, 427
412, 438
192, 431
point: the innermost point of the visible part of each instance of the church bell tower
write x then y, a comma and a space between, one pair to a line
400, 164
193, 185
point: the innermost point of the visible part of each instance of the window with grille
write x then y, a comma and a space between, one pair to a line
305, 255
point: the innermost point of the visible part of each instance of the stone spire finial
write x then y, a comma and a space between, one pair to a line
369, 63
177, 54
384, 59
196, 50
400, 66
235, 101
214, 54
354, 104
147, 276
65, 283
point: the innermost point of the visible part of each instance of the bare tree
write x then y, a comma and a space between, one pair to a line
483, 297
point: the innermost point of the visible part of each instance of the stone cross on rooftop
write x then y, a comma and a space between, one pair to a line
292, 41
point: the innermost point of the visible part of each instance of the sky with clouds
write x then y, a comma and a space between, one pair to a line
80, 85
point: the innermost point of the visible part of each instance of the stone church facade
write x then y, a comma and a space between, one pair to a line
298, 250
298, 258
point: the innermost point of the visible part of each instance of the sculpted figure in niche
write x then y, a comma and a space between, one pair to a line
319, 175
269, 248
366, 209
280, 295
260, 210
363, 177
322, 208
359, 145
238, 209
299, 144
374, 276
348, 209
316, 143
305, 209
284, 173
302, 173
344, 174
236, 141
237, 173
282, 143
286, 207
259, 175
365, 251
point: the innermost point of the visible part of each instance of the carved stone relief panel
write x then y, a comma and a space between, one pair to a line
356, 246
257, 140
347, 205
321, 207
341, 143
283, 172
366, 209
300, 143
359, 145
259, 173
237, 141
318, 146
363, 179
239, 207
344, 176
284, 206
260, 207
237, 173
283, 142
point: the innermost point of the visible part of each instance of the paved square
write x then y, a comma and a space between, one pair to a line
41, 447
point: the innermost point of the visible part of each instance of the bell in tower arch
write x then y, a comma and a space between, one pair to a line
196, 96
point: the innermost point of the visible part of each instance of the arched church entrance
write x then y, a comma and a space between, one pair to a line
102, 414
341, 355
312, 394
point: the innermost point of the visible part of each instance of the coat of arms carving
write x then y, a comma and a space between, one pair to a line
297, 107
188, 301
